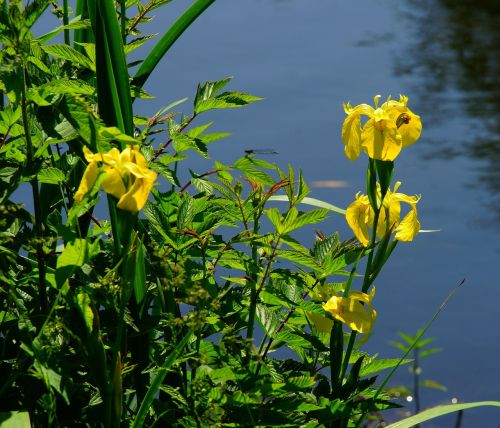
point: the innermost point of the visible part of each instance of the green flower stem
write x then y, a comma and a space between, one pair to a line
30, 160
367, 281
256, 291
336, 347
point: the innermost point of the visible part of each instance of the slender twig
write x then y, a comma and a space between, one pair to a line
5, 136
140, 16
255, 292
166, 144
214, 171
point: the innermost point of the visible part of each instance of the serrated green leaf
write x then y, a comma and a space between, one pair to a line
310, 217
83, 301
203, 185
375, 366
225, 100
38, 64
75, 254
165, 172
298, 257
274, 216
186, 213
137, 43
74, 24
300, 382
67, 53
51, 175
222, 375
182, 143
69, 86
15, 420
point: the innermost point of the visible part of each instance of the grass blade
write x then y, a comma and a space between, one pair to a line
157, 381
439, 411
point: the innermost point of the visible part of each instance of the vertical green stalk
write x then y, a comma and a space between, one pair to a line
66, 21
40, 256
123, 21
371, 190
254, 295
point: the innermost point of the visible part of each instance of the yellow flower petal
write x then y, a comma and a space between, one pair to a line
351, 311
357, 216
137, 195
409, 226
381, 140
88, 180
351, 129
113, 183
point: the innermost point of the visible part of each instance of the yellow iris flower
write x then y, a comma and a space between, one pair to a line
355, 311
360, 215
127, 177
389, 128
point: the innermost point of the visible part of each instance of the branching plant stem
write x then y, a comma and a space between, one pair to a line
40, 257
166, 144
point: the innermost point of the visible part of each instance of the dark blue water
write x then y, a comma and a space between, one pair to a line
308, 57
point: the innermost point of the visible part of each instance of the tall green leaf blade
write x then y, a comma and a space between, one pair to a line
113, 87
435, 412
168, 39
157, 381
311, 201
139, 275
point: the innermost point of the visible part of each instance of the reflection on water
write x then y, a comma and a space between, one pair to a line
455, 58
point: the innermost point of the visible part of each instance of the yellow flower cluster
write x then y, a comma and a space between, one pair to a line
360, 216
126, 177
389, 128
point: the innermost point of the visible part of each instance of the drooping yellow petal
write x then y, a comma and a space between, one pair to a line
137, 195
409, 226
88, 180
351, 129
357, 216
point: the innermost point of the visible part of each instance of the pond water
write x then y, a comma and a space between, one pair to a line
308, 57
